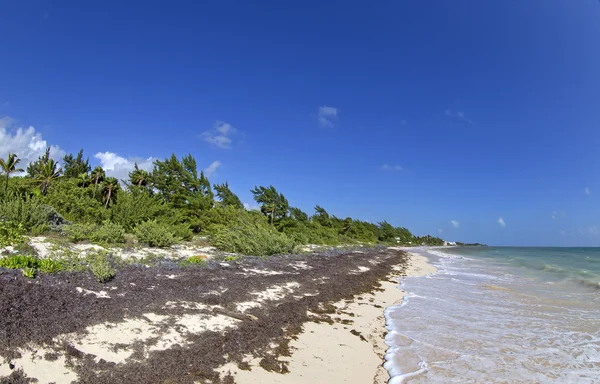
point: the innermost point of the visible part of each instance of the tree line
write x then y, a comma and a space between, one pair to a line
176, 195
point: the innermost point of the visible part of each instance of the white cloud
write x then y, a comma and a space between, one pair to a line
501, 222
457, 115
220, 135
562, 232
327, 115
119, 167
212, 168
27, 143
440, 231
587, 191
554, 215
593, 230
251, 207
387, 167
454, 223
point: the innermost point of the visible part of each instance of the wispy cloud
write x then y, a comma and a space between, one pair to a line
554, 215
327, 116
593, 230
454, 223
221, 135
27, 143
440, 231
457, 115
212, 168
501, 222
587, 191
394, 168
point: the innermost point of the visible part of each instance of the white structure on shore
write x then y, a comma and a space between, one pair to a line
451, 243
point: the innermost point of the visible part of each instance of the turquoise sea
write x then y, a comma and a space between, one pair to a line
499, 315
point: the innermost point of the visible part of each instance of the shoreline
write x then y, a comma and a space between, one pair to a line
339, 352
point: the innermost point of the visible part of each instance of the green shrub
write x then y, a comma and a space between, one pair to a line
27, 211
181, 231
195, 260
99, 264
252, 239
108, 233
39, 229
79, 232
155, 234
11, 233
50, 266
136, 207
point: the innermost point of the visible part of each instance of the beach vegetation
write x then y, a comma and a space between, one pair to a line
168, 204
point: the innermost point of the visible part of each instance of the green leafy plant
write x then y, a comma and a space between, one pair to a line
231, 258
11, 233
155, 234
29, 272
99, 263
195, 260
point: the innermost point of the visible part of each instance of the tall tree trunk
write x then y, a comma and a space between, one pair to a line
6, 185
95, 185
108, 198
140, 182
272, 213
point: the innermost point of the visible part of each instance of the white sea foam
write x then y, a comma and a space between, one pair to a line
481, 322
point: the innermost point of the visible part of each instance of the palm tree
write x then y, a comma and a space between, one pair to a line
83, 179
49, 173
138, 176
97, 176
9, 166
109, 187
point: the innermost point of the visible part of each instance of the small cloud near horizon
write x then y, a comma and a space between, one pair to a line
327, 116
395, 168
457, 115
587, 191
220, 135
440, 231
501, 222
454, 223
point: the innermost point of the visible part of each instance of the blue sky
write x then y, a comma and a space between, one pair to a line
441, 116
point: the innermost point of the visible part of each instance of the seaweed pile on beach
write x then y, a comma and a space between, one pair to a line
37, 312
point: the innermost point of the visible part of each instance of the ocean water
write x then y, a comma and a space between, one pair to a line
499, 315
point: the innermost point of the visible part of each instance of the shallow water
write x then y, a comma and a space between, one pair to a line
499, 315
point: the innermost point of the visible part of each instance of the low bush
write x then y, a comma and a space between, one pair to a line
99, 264
195, 260
107, 233
27, 211
11, 233
252, 239
155, 234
